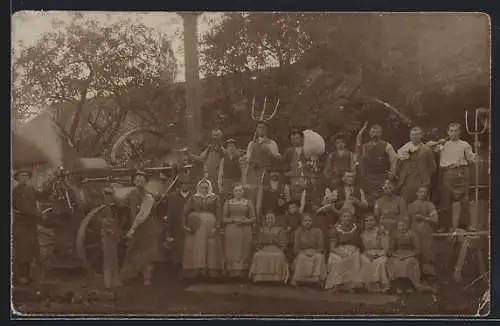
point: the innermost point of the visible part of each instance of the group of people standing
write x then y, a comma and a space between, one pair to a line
344, 219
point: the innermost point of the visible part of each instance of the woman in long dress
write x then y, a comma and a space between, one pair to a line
238, 219
375, 241
202, 246
309, 265
344, 261
269, 262
144, 233
424, 219
390, 208
403, 261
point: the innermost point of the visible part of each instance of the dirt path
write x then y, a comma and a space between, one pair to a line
169, 296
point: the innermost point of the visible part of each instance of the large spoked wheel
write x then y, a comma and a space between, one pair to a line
139, 146
89, 242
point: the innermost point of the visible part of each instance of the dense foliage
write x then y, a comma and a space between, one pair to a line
330, 67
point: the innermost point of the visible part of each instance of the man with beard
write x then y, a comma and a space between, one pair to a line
261, 155
456, 156
378, 161
416, 166
212, 156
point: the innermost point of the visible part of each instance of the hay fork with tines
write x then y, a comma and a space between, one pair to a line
258, 118
466, 240
262, 117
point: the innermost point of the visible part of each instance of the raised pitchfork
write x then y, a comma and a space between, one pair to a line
476, 132
257, 118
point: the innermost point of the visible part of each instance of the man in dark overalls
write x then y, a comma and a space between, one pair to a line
24, 226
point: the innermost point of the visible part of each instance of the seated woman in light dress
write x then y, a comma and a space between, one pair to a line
403, 265
375, 242
238, 219
309, 264
269, 262
344, 262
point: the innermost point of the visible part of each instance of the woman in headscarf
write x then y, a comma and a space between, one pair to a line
344, 262
144, 233
390, 208
375, 241
269, 262
309, 264
238, 219
201, 222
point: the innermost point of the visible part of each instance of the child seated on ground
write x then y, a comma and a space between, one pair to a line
403, 267
309, 264
269, 262
344, 262
424, 218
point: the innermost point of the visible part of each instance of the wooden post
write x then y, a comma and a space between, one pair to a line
193, 101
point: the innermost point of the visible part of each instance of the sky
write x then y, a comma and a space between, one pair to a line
29, 26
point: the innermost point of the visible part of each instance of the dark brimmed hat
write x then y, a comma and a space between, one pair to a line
139, 172
24, 170
339, 135
296, 131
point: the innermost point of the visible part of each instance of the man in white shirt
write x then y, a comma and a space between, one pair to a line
456, 156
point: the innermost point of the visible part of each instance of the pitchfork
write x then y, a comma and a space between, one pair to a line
255, 117
476, 132
466, 241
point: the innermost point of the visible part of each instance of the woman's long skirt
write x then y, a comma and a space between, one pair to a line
344, 268
202, 249
237, 249
309, 269
406, 268
374, 272
269, 265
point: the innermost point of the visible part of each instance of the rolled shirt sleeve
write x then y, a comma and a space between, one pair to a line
393, 157
144, 211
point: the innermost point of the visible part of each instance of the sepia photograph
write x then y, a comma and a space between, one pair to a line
249, 164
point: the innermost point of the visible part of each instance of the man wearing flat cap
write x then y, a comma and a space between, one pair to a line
261, 155
24, 226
